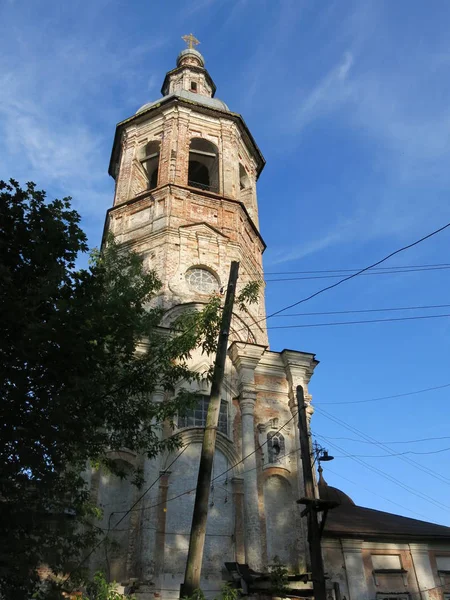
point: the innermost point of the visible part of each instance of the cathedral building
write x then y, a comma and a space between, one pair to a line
186, 169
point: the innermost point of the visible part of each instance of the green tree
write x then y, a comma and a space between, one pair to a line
73, 385
100, 589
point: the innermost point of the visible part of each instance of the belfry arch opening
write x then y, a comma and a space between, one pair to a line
203, 170
150, 162
244, 179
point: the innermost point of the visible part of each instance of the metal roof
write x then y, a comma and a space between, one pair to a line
193, 97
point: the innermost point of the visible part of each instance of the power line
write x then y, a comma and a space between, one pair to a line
395, 442
396, 272
375, 493
217, 476
410, 461
273, 464
394, 454
334, 323
382, 473
83, 560
430, 389
357, 269
193, 489
375, 264
364, 310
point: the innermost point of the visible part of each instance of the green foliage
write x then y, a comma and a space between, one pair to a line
278, 577
100, 589
82, 352
197, 595
97, 589
73, 385
228, 592
248, 295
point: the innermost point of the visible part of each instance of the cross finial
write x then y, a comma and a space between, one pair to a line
190, 40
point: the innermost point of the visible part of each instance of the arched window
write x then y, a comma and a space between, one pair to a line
150, 162
196, 417
203, 165
244, 180
275, 446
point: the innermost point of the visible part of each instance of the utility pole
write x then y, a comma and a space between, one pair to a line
313, 505
199, 518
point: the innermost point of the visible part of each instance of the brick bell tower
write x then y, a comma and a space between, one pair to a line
186, 168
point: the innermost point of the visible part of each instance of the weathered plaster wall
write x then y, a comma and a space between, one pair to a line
350, 564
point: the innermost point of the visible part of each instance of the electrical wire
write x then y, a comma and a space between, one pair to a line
328, 470
410, 461
193, 490
390, 478
394, 454
353, 275
217, 476
394, 442
310, 277
357, 269
366, 310
98, 544
334, 323
430, 389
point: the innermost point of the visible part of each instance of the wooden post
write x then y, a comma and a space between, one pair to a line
312, 505
199, 518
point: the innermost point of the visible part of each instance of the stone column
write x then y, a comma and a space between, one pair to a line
149, 516
245, 358
299, 368
238, 500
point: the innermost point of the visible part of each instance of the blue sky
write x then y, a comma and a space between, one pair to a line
348, 102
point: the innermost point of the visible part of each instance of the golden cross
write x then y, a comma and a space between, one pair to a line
190, 40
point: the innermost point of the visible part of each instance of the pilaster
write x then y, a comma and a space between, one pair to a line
150, 513
423, 571
238, 500
354, 569
299, 368
245, 358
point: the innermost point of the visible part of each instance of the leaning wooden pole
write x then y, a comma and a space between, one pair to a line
199, 518
315, 548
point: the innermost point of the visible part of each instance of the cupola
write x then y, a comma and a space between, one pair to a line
190, 74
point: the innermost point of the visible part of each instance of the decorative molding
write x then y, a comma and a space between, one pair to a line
245, 356
272, 424
247, 405
124, 455
194, 435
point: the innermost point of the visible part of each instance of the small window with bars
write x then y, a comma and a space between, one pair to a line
196, 417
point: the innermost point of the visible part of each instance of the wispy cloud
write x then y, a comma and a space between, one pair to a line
343, 231
332, 91
56, 121
391, 104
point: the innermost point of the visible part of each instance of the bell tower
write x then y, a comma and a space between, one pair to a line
186, 168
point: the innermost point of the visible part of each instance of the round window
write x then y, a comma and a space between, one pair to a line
201, 280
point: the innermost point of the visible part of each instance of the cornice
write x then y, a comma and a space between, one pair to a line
244, 355
216, 112
158, 193
194, 68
